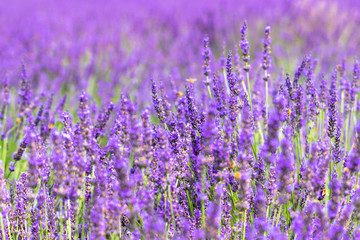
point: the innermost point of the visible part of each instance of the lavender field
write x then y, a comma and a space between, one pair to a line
206, 119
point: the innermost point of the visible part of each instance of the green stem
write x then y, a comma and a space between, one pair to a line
321, 124
274, 218
171, 206
208, 86
2, 227
8, 224
328, 180
61, 219
261, 134
278, 217
342, 101
202, 199
347, 132
244, 226
4, 146
165, 217
191, 207
4, 152
69, 221
297, 142
268, 211
249, 91
226, 82
354, 111
244, 87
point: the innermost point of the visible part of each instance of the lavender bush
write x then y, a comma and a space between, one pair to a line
179, 120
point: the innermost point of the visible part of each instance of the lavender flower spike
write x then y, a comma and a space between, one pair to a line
332, 111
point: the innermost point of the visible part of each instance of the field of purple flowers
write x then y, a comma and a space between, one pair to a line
179, 119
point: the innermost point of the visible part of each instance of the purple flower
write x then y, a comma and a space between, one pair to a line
332, 110
6, 97
284, 169
24, 93
289, 87
355, 82
267, 51
206, 56
353, 161
103, 118
245, 46
299, 72
337, 150
158, 102
219, 93
323, 92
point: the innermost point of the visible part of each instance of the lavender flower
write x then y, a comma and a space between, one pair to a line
299, 72
219, 96
355, 82
289, 87
284, 168
24, 94
102, 120
245, 46
337, 151
206, 56
323, 96
352, 163
158, 103
266, 52
245, 164
332, 111
6, 97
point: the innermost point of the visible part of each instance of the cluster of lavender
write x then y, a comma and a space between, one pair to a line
257, 149
216, 164
86, 44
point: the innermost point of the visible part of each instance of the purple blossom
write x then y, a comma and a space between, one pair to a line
267, 51
332, 108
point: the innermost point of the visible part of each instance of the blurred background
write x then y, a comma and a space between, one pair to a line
108, 47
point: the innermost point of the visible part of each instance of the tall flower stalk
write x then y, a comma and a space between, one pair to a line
245, 46
267, 63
